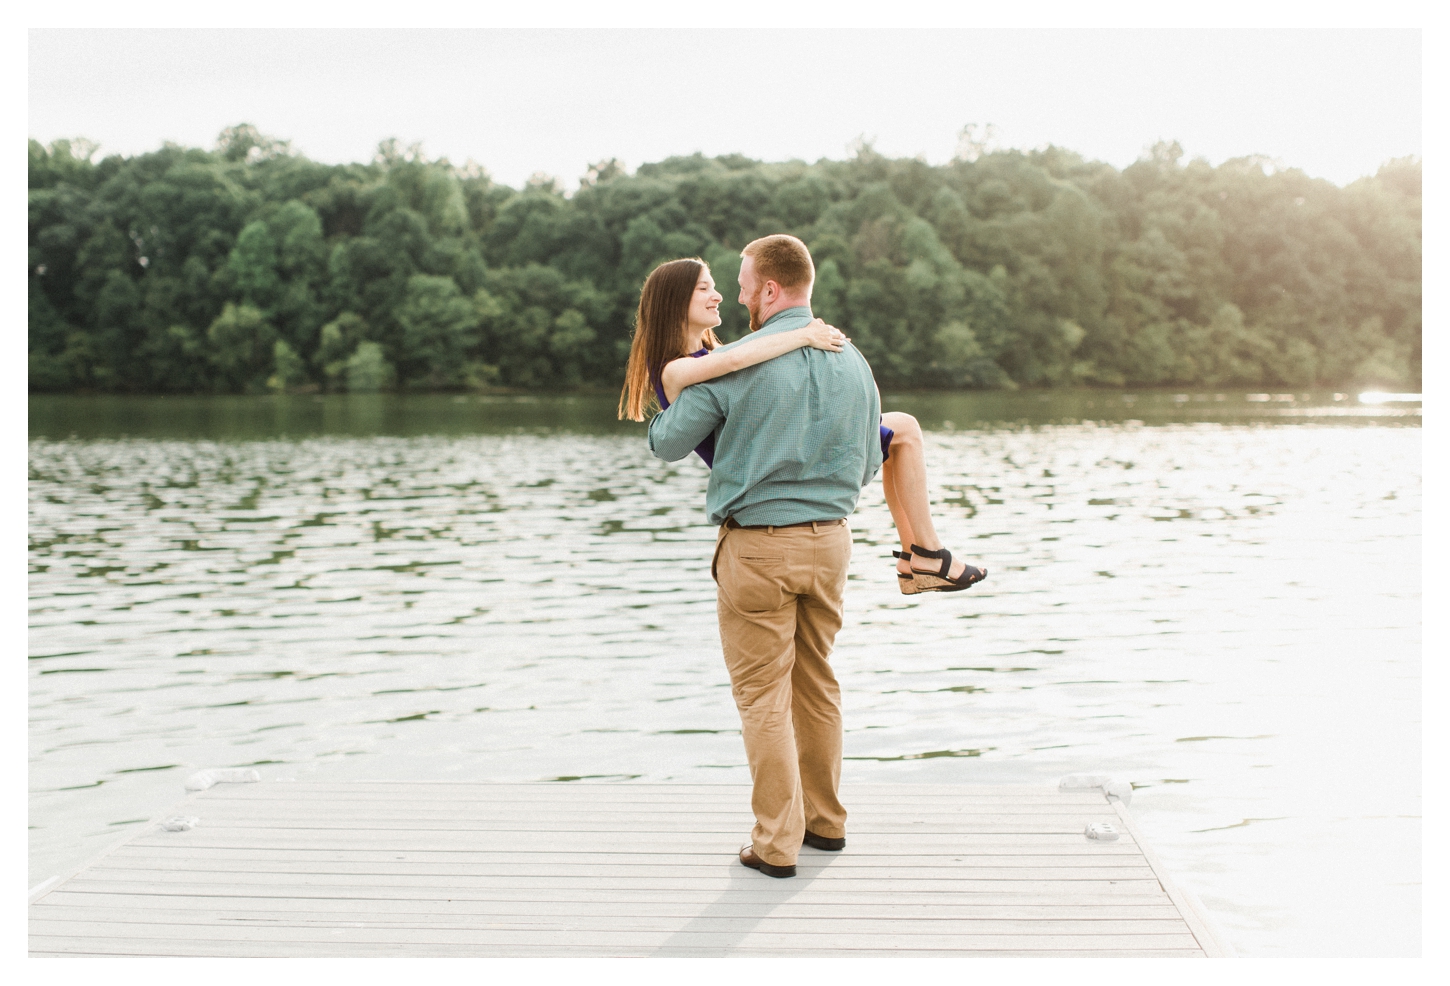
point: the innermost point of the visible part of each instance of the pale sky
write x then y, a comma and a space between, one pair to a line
1336, 103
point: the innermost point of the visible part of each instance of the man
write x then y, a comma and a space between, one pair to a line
796, 438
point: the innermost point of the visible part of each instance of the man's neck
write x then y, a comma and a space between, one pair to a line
781, 304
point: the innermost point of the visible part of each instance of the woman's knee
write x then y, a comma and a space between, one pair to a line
904, 426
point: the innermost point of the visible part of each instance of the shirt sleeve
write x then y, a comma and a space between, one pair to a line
675, 431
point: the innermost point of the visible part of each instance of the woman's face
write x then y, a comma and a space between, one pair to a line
704, 303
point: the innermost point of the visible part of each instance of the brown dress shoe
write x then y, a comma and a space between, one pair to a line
748, 857
821, 842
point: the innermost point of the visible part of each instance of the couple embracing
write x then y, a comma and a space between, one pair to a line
789, 420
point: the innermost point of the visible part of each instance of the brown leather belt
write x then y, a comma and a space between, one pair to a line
732, 524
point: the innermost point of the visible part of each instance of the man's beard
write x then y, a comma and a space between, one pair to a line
752, 305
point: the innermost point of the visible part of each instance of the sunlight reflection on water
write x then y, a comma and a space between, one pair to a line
1226, 615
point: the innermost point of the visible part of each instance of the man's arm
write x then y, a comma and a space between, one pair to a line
675, 431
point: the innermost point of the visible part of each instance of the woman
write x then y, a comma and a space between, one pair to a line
678, 311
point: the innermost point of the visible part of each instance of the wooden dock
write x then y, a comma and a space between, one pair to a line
458, 869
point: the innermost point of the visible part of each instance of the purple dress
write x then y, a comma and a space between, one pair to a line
706, 449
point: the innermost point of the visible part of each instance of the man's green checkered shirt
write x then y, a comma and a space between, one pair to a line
796, 437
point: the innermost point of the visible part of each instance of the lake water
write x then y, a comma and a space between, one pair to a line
1213, 596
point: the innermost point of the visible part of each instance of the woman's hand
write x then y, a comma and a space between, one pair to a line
819, 335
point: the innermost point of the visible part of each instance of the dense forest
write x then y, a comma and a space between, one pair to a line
248, 267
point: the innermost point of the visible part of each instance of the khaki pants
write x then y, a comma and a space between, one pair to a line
780, 597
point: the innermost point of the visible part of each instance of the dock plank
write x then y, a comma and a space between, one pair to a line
635, 896
948, 855
99, 917
530, 869
211, 836
719, 937
288, 908
1071, 853
53, 947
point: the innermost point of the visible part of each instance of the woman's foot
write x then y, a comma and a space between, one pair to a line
903, 562
904, 577
935, 571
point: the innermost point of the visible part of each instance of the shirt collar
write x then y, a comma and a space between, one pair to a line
784, 313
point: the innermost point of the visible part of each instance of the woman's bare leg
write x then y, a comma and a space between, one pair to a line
893, 501
903, 479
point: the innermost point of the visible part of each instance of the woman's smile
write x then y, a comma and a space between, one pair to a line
705, 305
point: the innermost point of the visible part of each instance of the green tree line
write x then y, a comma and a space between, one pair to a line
249, 267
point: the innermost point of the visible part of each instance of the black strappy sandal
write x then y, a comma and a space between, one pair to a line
906, 582
940, 580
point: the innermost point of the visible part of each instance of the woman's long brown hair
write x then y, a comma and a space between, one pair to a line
659, 332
